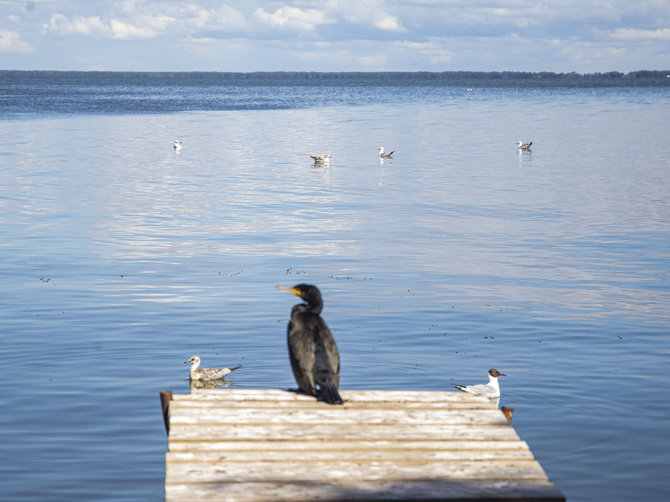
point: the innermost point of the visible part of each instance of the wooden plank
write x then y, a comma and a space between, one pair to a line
355, 453
335, 415
352, 396
371, 491
308, 431
300, 404
299, 447
360, 470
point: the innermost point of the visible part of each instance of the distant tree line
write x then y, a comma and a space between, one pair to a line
446, 78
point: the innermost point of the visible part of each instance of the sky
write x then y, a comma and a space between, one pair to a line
335, 35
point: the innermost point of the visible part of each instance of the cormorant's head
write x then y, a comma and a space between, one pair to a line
308, 293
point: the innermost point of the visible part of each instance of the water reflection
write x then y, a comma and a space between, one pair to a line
525, 157
197, 385
153, 255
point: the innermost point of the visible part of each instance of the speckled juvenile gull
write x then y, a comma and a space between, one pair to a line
322, 159
524, 146
204, 374
383, 155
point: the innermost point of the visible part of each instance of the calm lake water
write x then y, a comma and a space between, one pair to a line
120, 259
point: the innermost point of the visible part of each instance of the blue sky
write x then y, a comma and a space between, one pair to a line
335, 35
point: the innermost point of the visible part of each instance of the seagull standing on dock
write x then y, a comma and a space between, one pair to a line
314, 357
525, 147
383, 155
320, 160
177, 146
490, 390
205, 374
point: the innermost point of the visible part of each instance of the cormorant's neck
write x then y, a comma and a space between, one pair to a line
312, 308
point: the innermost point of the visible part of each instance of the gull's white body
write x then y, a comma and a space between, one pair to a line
321, 159
204, 374
490, 389
383, 155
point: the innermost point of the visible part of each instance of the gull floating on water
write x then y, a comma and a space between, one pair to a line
321, 159
198, 373
383, 155
490, 390
177, 145
524, 146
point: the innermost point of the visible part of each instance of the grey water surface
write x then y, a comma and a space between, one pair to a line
120, 259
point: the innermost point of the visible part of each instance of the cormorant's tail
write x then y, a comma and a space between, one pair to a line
328, 393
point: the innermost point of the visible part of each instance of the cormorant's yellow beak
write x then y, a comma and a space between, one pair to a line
290, 290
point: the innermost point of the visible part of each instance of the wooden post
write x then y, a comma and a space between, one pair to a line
166, 397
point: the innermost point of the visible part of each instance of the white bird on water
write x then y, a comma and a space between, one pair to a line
198, 373
383, 155
177, 145
524, 146
321, 159
490, 390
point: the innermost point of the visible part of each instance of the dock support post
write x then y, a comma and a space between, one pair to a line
166, 397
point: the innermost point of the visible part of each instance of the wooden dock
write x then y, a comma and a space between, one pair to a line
271, 445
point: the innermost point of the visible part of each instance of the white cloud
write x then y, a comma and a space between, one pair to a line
293, 18
433, 51
147, 27
291, 34
10, 41
61, 25
374, 61
389, 23
640, 34
125, 31
136, 19
369, 13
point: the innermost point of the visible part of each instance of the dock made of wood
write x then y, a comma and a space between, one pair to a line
272, 445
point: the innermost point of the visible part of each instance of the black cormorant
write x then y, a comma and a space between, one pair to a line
311, 346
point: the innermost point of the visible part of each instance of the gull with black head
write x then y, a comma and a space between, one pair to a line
490, 389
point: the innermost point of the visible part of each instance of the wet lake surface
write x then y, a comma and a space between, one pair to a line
120, 259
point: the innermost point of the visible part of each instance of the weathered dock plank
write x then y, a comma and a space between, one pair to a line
367, 491
271, 445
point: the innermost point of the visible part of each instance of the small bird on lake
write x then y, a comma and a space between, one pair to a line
490, 390
204, 374
321, 159
311, 346
383, 155
524, 146
177, 145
